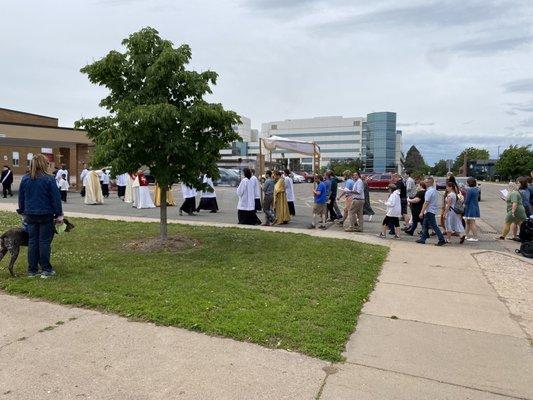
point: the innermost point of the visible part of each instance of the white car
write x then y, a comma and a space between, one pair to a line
297, 178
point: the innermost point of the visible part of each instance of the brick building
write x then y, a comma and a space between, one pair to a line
23, 134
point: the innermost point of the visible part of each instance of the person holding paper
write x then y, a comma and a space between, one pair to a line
516, 214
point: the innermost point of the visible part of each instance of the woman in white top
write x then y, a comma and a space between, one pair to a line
189, 203
246, 206
394, 212
208, 199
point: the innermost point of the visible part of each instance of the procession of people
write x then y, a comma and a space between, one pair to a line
412, 206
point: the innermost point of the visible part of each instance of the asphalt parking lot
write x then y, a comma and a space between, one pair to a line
492, 211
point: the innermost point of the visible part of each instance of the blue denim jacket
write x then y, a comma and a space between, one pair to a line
39, 196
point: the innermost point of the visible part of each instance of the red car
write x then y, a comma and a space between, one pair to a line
379, 181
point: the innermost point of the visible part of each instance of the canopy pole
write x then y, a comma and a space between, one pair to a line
261, 165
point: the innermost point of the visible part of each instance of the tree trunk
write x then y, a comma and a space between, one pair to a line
163, 216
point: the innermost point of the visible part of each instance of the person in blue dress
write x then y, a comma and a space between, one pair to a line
471, 209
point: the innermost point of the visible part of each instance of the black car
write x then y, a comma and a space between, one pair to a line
227, 177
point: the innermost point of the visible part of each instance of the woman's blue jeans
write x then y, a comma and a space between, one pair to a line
41, 232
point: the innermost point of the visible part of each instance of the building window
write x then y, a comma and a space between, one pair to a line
15, 158
357, 123
29, 157
273, 127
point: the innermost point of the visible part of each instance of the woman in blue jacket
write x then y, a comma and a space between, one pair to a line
40, 204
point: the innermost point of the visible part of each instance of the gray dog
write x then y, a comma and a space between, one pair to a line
12, 239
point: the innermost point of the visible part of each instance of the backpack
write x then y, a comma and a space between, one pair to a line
526, 249
526, 231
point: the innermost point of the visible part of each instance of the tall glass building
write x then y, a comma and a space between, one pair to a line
379, 142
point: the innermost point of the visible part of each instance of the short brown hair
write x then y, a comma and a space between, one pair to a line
471, 182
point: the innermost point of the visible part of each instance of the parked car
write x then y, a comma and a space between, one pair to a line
227, 177
296, 178
461, 182
379, 181
308, 176
440, 183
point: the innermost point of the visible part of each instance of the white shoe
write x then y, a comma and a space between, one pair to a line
472, 240
370, 218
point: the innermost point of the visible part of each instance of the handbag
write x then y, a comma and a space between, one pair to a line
459, 207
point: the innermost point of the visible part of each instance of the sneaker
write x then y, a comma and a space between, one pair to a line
311, 227
421, 241
48, 274
370, 218
440, 244
323, 227
349, 230
410, 233
472, 239
33, 274
381, 236
396, 237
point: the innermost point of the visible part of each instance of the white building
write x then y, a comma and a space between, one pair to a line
239, 149
339, 138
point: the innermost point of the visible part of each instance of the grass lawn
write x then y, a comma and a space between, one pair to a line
279, 290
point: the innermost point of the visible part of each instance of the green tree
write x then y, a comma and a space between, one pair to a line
414, 161
472, 154
514, 162
338, 167
157, 115
440, 168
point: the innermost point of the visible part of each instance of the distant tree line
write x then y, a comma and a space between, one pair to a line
514, 161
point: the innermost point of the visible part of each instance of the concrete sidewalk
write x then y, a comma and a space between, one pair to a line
442, 323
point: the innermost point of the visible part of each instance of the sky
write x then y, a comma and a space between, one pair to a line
458, 73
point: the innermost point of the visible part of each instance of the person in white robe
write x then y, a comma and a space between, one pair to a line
60, 172
83, 175
289, 190
189, 197
208, 199
122, 181
128, 194
135, 191
93, 190
145, 199
257, 191
246, 213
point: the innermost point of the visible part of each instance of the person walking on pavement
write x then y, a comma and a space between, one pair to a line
358, 201
289, 189
268, 198
516, 213
7, 180
429, 212
472, 212
320, 210
416, 202
367, 208
452, 218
